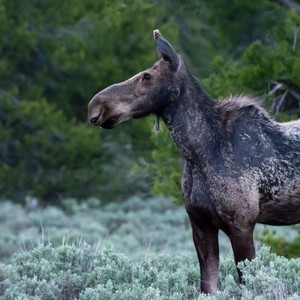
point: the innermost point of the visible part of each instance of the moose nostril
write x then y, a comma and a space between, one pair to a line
94, 120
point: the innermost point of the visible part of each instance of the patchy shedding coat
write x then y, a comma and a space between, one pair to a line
241, 166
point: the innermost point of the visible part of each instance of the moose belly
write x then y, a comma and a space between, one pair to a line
282, 209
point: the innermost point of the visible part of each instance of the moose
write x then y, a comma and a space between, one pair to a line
241, 166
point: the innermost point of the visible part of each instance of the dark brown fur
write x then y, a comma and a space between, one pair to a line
241, 167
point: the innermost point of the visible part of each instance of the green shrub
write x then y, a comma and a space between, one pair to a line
55, 253
79, 271
134, 227
279, 243
46, 155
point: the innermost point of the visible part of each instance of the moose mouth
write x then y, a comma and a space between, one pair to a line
107, 123
110, 123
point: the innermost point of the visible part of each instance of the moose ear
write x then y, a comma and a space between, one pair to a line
166, 51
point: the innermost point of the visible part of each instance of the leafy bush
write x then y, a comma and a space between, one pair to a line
279, 243
73, 51
79, 271
55, 64
134, 227
268, 67
165, 165
46, 155
74, 252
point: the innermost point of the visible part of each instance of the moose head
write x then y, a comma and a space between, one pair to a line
146, 93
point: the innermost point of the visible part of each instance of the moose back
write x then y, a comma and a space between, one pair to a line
241, 167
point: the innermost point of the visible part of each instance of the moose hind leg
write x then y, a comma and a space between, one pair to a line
207, 247
243, 246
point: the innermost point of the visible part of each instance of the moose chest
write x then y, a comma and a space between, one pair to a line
221, 198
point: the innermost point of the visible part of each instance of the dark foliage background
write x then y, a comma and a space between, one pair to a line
55, 55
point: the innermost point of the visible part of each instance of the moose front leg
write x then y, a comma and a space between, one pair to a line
205, 237
242, 245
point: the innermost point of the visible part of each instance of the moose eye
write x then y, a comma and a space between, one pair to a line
146, 76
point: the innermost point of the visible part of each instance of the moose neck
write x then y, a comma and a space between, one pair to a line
191, 120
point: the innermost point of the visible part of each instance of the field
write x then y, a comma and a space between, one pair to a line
138, 249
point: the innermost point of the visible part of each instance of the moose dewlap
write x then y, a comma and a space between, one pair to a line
241, 167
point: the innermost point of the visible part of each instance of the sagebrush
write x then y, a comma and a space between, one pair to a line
138, 249
80, 271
